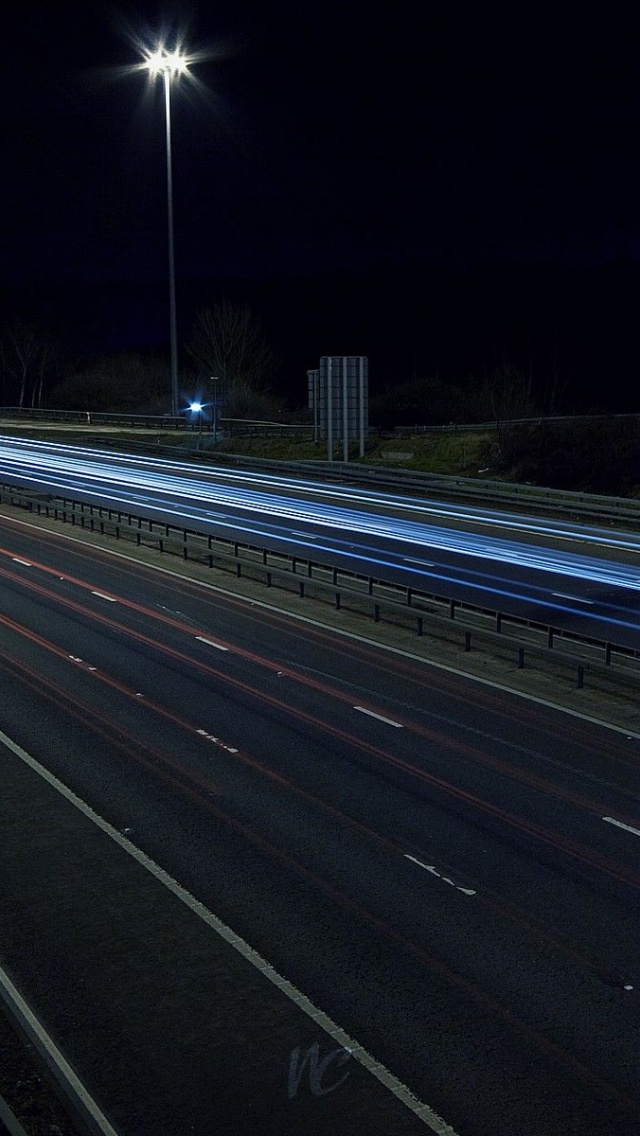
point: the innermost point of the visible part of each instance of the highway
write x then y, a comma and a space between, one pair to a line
451, 873
577, 578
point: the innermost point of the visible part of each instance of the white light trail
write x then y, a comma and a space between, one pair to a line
134, 483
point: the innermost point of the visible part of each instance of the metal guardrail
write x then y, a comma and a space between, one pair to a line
512, 493
95, 418
496, 424
403, 605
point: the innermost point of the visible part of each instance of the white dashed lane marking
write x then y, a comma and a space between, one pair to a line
210, 643
434, 872
619, 824
379, 717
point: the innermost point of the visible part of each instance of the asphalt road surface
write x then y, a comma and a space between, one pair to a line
448, 872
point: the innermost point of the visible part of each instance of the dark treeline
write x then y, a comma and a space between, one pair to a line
443, 346
597, 456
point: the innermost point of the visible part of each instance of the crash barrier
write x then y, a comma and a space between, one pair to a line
515, 637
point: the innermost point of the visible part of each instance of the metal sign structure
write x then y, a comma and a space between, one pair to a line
339, 400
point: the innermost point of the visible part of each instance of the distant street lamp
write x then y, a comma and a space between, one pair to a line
170, 64
198, 408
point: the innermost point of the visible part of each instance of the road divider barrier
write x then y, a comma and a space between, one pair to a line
420, 611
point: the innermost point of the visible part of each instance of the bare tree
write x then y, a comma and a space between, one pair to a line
228, 344
30, 359
21, 356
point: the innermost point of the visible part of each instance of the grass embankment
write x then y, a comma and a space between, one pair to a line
462, 454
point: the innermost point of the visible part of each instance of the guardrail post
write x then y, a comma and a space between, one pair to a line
452, 609
607, 655
498, 621
550, 638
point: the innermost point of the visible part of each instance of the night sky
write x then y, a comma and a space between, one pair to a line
316, 138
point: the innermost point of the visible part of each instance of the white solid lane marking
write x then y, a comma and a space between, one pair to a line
101, 596
210, 643
379, 717
434, 872
422, 563
26, 563
576, 599
423, 1111
619, 824
307, 536
42, 1041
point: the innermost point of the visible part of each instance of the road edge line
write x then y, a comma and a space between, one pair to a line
423, 1111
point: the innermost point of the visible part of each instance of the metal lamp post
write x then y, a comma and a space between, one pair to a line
214, 400
170, 64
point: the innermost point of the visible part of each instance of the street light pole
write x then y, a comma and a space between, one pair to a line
169, 64
173, 321
214, 399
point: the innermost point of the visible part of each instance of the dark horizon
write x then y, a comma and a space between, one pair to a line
415, 322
